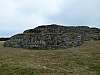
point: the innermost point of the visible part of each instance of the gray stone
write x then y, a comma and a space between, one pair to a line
53, 37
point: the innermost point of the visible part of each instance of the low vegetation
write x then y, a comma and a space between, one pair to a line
4, 39
83, 60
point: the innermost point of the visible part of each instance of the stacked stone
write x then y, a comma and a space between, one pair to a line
51, 37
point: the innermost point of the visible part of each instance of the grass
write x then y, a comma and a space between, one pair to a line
83, 60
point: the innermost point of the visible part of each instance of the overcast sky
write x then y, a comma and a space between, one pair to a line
19, 15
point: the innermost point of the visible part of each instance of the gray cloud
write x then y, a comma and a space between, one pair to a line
19, 15
80, 12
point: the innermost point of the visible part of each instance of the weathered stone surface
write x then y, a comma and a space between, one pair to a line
53, 37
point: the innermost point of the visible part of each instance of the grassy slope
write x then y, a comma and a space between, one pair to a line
84, 60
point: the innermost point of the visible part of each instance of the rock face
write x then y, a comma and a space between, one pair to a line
53, 37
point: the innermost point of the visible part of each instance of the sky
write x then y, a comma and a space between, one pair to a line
19, 15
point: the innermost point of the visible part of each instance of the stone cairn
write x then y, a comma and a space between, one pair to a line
53, 37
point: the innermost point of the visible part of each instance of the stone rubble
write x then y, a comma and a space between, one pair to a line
53, 37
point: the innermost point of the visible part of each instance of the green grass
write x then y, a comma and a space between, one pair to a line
83, 60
